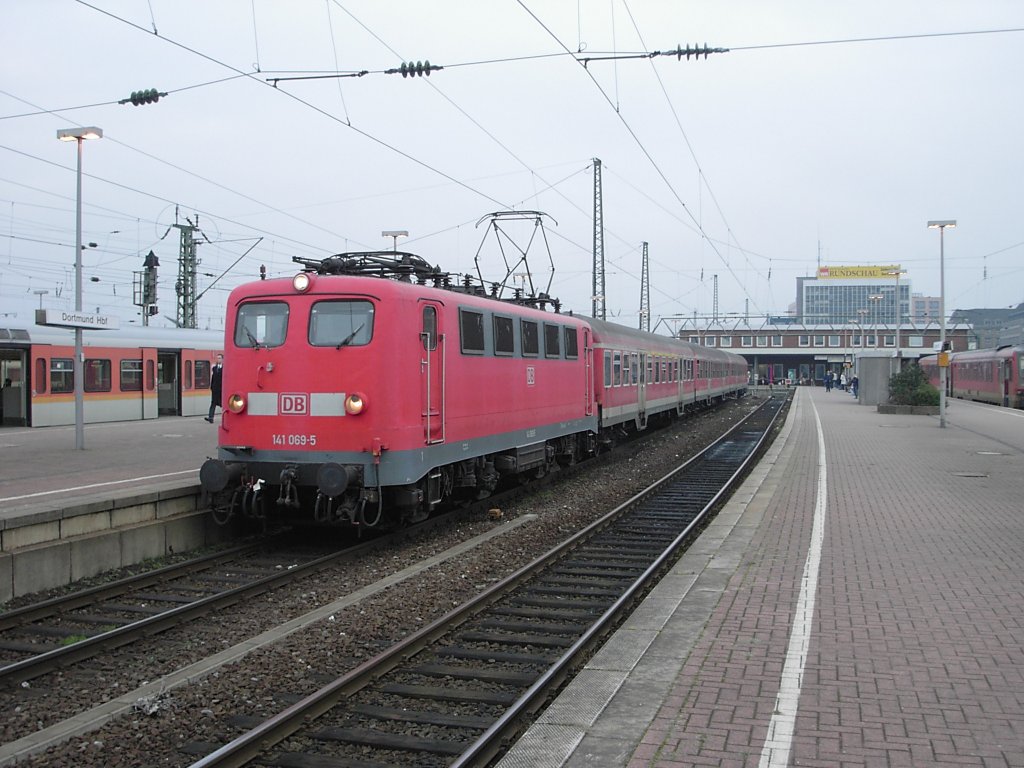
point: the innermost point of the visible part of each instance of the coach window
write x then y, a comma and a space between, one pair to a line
202, 374
40, 382
634, 367
343, 323
151, 375
62, 375
616, 368
572, 344
131, 375
471, 331
552, 348
530, 337
504, 336
97, 375
187, 383
428, 335
261, 324
607, 368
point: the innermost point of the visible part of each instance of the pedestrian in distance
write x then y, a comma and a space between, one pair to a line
828, 381
215, 378
854, 384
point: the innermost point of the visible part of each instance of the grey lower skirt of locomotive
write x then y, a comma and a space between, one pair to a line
329, 493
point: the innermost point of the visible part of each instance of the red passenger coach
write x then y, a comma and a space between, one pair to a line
354, 398
987, 375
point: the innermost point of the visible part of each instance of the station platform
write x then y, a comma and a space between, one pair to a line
40, 469
860, 602
130, 494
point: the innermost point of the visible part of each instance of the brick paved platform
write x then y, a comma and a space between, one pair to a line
898, 640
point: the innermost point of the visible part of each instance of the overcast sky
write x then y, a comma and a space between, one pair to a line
803, 144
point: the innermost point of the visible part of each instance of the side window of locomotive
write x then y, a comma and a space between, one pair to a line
131, 375
428, 335
261, 324
531, 339
552, 348
341, 323
97, 375
62, 375
504, 335
471, 332
572, 348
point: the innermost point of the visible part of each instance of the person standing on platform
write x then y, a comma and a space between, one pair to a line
215, 378
828, 381
842, 381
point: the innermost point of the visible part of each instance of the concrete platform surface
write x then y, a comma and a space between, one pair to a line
859, 603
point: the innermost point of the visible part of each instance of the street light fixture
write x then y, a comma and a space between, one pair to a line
79, 135
941, 225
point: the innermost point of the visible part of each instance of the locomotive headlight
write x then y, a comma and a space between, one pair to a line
302, 282
236, 403
355, 404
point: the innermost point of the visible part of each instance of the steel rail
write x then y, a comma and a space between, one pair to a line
275, 729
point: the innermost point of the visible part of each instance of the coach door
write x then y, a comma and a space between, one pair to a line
168, 400
432, 371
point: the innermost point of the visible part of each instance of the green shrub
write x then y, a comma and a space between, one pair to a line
910, 387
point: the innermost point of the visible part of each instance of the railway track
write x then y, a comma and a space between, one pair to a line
58, 633
458, 690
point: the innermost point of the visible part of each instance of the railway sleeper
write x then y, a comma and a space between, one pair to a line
381, 740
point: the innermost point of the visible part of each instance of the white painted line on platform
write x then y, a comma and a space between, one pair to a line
99, 485
780, 730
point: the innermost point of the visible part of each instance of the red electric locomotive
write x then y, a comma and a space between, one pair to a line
987, 375
351, 398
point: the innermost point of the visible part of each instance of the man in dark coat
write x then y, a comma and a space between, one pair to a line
215, 378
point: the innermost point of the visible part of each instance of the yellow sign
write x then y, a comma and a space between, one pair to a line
858, 273
943, 359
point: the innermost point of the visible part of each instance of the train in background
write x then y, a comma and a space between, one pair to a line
371, 388
129, 374
987, 375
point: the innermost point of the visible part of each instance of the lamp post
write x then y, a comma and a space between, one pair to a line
394, 234
941, 225
899, 354
78, 135
875, 298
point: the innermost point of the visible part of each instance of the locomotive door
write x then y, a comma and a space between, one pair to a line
588, 356
432, 372
641, 391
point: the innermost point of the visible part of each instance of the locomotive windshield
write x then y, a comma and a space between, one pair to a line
341, 323
261, 324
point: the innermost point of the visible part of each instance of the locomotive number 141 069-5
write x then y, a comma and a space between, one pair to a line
294, 440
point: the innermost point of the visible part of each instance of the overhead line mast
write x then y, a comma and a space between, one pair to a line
598, 309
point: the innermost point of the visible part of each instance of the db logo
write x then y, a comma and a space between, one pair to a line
295, 404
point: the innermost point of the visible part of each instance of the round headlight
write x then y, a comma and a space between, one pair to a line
236, 403
301, 282
355, 404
